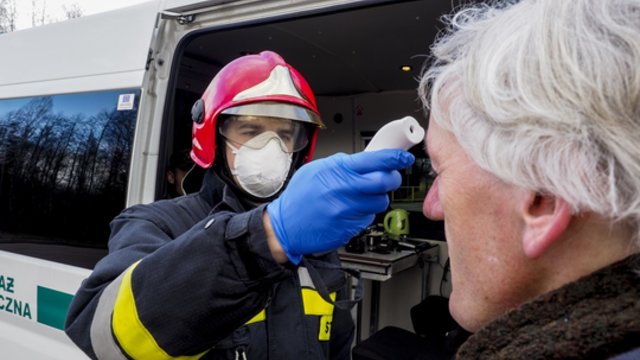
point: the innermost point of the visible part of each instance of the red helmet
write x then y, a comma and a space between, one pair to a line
250, 85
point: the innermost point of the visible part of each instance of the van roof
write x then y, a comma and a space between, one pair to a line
96, 52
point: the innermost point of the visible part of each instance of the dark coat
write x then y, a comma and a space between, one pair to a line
596, 317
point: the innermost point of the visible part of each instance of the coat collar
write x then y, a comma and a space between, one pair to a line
218, 194
594, 317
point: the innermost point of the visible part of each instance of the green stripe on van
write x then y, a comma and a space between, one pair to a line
52, 307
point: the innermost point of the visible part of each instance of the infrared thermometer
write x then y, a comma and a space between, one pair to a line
397, 134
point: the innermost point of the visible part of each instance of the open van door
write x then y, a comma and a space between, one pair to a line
98, 52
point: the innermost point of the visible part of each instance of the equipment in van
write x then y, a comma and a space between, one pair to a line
372, 240
396, 223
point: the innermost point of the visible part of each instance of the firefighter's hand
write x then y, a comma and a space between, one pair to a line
328, 201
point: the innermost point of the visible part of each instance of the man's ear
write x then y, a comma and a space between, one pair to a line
171, 177
546, 217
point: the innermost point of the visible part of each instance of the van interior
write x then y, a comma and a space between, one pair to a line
363, 65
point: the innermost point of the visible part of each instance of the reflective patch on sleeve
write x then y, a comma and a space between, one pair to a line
261, 316
134, 338
102, 342
315, 305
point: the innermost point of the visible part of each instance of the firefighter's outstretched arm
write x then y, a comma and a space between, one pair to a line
328, 201
156, 296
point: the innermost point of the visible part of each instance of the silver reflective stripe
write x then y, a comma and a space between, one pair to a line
244, 355
305, 278
102, 339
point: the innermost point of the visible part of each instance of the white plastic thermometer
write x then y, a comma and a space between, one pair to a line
397, 134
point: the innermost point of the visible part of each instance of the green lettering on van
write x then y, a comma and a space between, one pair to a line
53, 306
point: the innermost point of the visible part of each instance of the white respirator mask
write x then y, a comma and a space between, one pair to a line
261, 171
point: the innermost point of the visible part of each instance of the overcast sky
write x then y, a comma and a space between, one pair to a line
55, 10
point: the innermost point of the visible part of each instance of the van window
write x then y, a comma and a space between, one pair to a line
64, 162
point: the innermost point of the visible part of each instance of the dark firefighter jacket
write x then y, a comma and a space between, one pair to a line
193, 277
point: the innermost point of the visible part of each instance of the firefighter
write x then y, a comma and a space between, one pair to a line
246, 267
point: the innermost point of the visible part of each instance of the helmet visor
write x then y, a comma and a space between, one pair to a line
276, 110
240, 129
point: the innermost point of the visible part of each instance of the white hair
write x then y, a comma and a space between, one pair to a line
545, 94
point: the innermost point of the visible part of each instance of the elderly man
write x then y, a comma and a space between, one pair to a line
534, 135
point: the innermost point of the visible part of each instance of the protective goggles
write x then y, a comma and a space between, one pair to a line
239, 130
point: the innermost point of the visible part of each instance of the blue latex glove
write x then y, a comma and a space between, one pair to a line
328, 201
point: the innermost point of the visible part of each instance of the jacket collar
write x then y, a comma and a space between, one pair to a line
218, 194
594, 317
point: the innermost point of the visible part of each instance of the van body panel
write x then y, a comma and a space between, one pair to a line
182, 6
34, 298
108, 51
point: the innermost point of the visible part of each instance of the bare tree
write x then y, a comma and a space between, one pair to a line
3, 17
7, 15
72, 11
38, 12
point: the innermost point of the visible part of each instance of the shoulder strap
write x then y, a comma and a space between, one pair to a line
320, 285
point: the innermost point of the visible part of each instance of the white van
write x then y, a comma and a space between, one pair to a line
92, 108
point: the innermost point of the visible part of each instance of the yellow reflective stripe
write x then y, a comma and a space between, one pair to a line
261, 316
131, 334
324, 334
314, 304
